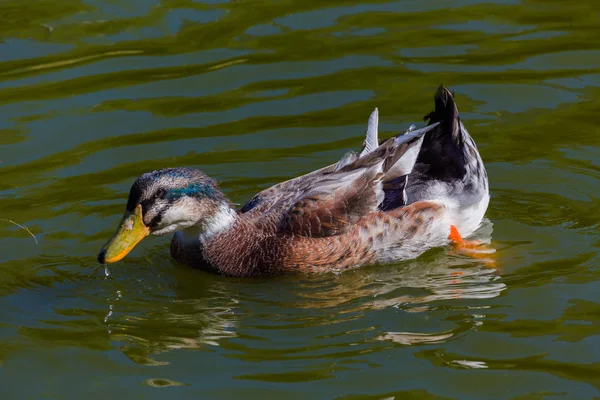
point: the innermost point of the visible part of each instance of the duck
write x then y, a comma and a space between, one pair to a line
392, 201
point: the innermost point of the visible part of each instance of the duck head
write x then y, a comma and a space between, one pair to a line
166, 201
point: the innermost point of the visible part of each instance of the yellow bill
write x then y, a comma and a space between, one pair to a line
130, 232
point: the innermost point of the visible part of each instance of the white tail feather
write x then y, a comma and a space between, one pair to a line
371, 139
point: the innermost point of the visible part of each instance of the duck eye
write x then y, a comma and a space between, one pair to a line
161, 193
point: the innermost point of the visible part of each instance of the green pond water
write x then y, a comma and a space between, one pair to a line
94, 93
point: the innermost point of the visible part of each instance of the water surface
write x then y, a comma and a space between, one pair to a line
94, 93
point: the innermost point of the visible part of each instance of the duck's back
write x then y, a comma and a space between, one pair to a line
327, 219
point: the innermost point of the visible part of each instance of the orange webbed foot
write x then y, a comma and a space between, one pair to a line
471, 248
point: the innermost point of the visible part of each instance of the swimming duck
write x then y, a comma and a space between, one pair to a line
391, 201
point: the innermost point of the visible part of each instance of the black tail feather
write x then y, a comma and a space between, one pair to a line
443, 148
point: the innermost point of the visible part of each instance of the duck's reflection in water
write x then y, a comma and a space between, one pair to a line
203, 310
173, 308
414, 286
186, 324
